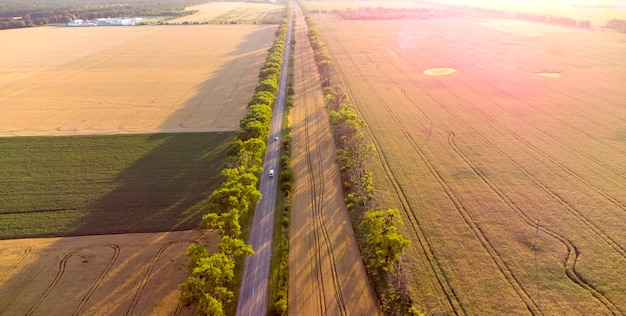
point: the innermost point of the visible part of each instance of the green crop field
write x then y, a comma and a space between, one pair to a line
85, 185
502, 144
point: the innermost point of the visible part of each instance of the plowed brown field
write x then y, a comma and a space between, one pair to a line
113, 80
126, 274
326, 274
505, 148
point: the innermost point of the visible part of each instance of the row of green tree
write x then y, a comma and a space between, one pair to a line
17, 14
377, 230
212, 280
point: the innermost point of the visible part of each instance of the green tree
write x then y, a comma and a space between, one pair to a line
384, 243
207, 285
235, 248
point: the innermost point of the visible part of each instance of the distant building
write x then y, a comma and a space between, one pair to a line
79, 22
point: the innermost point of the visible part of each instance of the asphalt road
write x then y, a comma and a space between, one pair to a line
254, 289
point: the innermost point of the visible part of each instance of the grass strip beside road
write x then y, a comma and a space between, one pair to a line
86, 185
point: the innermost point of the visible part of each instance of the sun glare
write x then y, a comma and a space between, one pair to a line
516, 5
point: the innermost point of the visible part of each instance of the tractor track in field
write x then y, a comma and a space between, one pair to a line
555, 60
573, 253
566, 205
582, 115
148, 272
573, 127
317, 194
535, 149
547, 191
572, 250
92, 288
26, 251
448, 291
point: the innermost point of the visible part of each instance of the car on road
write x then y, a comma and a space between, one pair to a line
271, 172
276, 138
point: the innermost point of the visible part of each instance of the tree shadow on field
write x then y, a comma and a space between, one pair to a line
164, 190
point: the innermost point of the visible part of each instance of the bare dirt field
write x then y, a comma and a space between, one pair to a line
127, 274
326, 274
505, 150
240, 12
114, 80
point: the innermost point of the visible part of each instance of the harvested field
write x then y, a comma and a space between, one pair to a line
119, 80
326, 274
235, 12
573, 9
510, 171
343, 5
96, 275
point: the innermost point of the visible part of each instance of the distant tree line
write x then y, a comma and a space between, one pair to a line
438, 11
616, 24
553, 20
377, 230
27, 13
212, 282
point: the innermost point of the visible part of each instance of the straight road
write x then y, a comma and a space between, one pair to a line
254, 289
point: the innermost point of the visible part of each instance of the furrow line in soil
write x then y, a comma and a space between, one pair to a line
314, 206
26, 251
572, 250
538, 151
148, 271
553, 60
96, 284
567, 206
460, 207
61, 271
573, 253
433, 262
317, 195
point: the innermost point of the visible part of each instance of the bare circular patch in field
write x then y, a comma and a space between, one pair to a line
439, 71
549, 74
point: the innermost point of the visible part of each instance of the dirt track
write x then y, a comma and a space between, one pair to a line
327, 276
96, 275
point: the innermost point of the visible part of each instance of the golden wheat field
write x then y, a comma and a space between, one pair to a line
233, 12
503, 143
115, 80
126, 274
57, 80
